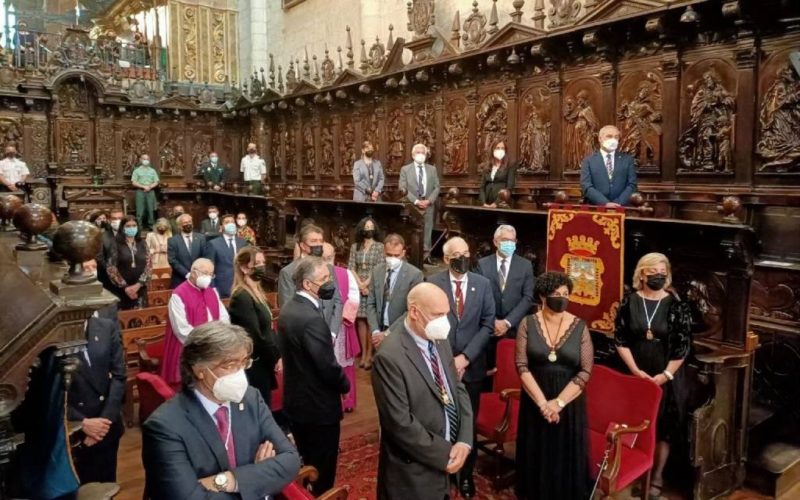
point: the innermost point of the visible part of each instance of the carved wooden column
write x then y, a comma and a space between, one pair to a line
609, 79
556, 156
438, 109
336, 124
297, 157
472, 140
512, 94
409, 139
316, 124
269, 136
670, 69
746, 57
359, 135
283, 127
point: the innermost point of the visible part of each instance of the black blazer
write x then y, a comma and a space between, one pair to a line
181, 444
515, 301
257, 320
504, 178
97, 390
313, 380
179, 258
103, 256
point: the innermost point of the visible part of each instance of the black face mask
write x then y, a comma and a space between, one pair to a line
460, 265
316, 251
259, 273
656, 281
368, 233
369, 154
327, 290
187, 228
557, 304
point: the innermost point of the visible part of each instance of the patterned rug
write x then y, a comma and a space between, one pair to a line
358, 471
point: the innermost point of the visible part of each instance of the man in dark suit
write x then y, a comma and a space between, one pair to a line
425, 413
608, 177
222, 251
512, 282
471, 316
216, 437
95, 399
392, 280
314, 381
183, 248
211, 227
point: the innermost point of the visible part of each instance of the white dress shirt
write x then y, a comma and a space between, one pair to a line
253, 167
12, 169
310, 297
463, 280
494, 171
177, 315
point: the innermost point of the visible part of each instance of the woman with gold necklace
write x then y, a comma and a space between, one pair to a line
554, 358
653, 334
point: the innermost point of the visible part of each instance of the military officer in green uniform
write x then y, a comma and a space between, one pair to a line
145, 179
213, 172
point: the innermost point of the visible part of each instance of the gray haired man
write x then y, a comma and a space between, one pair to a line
420, 181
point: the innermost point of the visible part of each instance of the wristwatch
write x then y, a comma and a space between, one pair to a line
221, 481
560, 402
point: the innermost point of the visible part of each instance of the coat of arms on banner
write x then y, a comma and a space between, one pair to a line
584, 268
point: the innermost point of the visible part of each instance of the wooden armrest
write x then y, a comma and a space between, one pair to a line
338, 493
614, 436
307, 474
507, 394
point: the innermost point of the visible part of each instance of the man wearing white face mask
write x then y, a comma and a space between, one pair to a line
193, 303
420, 181
425, 413
216, 438
608, 176
392, 279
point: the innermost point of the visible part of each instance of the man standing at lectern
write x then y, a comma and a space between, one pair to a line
420, 181
608, 177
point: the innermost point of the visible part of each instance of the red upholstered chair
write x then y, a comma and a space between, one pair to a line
153, 391
151, 352
499, 410
618, 407
297, 489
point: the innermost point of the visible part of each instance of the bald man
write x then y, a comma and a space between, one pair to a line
425, 412
608, 176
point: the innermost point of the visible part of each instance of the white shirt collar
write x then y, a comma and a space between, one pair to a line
310, 297
463, 279
210, 406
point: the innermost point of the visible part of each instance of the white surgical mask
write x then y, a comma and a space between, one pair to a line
420, 158
230, 388
499, 154
241, 222
145, 163
203, 282
438, 329
394, 263
115, 224
213, 215
214, 159
610, 144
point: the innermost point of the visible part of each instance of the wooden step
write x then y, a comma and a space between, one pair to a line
774, 469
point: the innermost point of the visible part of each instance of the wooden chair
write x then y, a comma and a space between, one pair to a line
157, 284
157, 298
138, 318
298, 490
162, 272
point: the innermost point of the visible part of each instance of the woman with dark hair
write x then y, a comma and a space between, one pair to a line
497, 174
244, 231
554, 360
653, 335
130, 266
365, 254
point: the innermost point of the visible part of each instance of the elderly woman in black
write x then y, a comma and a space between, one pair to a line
653, 334
130, 266
554, 359
497, 174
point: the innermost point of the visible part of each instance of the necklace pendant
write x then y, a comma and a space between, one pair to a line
649, 334
552, 356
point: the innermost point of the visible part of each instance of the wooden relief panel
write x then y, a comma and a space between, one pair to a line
291, 149
11, 132
534, 131
639, 115
106, 148
277, 149
309, 158
201, 147
582, 102
456, 135
492, 117
37, 156
347, 145
369, 131
72, 100
396, 138
171, 158
778, 137
135, 142
74, 142
707, 118
327, 148
425, 129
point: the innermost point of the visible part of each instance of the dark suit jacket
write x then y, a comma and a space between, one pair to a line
209, 230
595, 185
515, 301
179, 257
313, 380
181, 444
332, 309
504, 178
408, 277
103, 257
470, 335
414, 451
257, 320
97, 390
218, 251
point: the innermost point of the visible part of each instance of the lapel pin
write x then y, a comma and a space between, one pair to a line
96, 338
473, 289
241, 406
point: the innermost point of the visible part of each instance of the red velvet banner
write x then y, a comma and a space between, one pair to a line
589, 247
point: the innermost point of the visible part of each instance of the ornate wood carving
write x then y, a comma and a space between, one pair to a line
370, 128
11, 132
425, 127
75, 143
639, 115
563, 12
420, 17
37, 156
201, 147
706, 144
190, 51
278, 148
72, 100
106, 149
135, 142
171, 152
347, 146
581, 124
474, 28
778, 146
397, 150
309, 151
456, 137
534, 131
327, 148
492, 118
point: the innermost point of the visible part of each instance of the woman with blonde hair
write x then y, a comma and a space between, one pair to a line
157, 243
653, 338
250, 310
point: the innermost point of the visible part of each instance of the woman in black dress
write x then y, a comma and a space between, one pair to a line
250, 310
653, 334
554, 360
497, 174
130, 266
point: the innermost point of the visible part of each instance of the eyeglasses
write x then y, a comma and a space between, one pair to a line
232, 365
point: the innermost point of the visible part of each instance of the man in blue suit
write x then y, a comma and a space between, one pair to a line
608, 177
471, 317
222, 251
183, 248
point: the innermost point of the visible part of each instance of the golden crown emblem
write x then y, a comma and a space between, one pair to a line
582, 245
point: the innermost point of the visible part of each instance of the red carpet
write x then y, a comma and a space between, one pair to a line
358, 471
